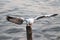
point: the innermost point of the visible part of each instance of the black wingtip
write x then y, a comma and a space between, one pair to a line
54, 15
9, 17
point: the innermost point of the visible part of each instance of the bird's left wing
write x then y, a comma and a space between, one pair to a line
15, 20
45, 16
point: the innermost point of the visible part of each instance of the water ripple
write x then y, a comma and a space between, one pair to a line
14, 30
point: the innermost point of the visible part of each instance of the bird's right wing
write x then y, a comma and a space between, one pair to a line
45, 16
15, 20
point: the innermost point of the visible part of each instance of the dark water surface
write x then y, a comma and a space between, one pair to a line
44, 29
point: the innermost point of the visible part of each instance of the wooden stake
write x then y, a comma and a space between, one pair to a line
29, 32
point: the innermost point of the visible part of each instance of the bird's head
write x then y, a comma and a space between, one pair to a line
29, 21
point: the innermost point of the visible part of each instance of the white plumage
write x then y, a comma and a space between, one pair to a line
29, 21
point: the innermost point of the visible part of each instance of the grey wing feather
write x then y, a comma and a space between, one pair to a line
14, 20
53, 15
39, 17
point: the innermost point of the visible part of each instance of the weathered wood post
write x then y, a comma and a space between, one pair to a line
29, 32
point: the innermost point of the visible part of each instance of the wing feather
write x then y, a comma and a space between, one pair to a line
45, 16
15, 20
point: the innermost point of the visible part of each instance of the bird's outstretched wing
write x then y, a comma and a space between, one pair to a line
45, 16
52, 15
15, 20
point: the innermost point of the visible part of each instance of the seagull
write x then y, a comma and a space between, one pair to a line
29, 21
